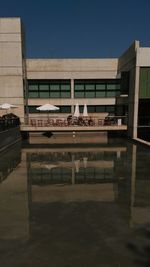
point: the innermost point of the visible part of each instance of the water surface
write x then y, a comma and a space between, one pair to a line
75, 205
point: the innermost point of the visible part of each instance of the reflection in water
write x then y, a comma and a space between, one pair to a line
9, 161
82, 206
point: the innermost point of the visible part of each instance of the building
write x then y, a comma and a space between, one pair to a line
113, 85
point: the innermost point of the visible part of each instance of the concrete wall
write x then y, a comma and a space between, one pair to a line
72, 68
11, 66
143, 57
128, 62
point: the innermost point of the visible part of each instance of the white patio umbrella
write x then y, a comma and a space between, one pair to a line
7, 106
47, 107
77, 112
85, 112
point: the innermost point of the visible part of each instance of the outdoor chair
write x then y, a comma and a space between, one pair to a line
33, 122
40, 123
100, 122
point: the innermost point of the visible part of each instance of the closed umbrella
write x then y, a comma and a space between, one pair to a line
85, 112
77, 112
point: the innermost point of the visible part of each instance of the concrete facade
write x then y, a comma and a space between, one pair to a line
16, 70
11, 63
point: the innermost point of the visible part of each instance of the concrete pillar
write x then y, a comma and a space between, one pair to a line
72, 94
133, 102
11, 64
136, 102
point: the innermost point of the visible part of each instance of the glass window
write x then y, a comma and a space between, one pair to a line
79, 87
33, 94
54, 87
54, 94
32, 109
65, 109
90, 87
90, 94
44, 94
33, 87
80, 109
79, 94
100, 86
65, 94
91, 109
65, 87
111, 93
100, 94
100, 108
117, 86
112, 86
44, 87
110, 108
117, 93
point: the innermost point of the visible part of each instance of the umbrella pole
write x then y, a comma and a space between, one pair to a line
48, 116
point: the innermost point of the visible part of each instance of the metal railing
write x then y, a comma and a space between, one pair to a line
72, 121
7, 123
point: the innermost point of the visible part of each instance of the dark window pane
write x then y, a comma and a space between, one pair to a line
100, 94
65, 94
44, 94
32, 109
33, 87
55, 87
91, 109
65, 87
89, 94
65, 109
90, 87
100, 86
111, 93
54, 94
100, 108
44, 87
113, 86
79, 94
33, 94
110, 108
79, 87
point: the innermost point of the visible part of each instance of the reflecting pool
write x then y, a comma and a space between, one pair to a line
68, 205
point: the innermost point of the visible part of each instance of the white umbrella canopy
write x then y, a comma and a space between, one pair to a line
47, 107
77, 112
7, 106
85, 112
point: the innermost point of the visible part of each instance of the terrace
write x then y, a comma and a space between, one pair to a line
74, 124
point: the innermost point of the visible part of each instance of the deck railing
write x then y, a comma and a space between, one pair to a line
67, 122
7, 123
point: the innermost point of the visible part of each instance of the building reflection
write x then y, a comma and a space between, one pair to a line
78, 193
77, 174
82, 201
9, 160
105, 173
14, 224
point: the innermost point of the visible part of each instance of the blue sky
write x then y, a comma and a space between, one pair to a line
80, 28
